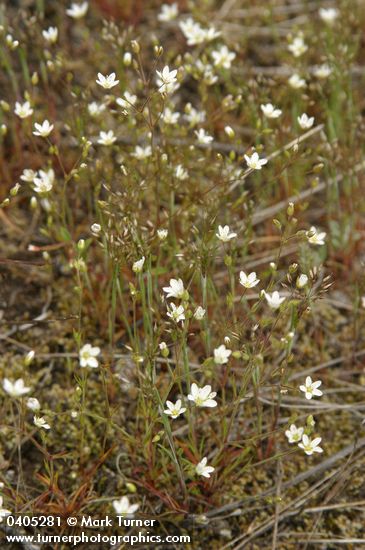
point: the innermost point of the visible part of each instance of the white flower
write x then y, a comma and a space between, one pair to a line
127, 101
44, 180
3, 511
162, 234
33, 404
322, 71
302, 281
328, 15
254, 162
305, 122
177, 314
162, 346
28, 175
223, 57
138, 265
310, 388
50, 35
107, 81
44, 129
76, 11
270, 111
174, 410
175, 290
314, 237
202, 397
224, 234
41, 422
23, 110
124, 508
167, 79
203, 137
274, 300
310, 446
192, 31
199, 313
169, 117
294, 434
296, 82
298, 46
95, 229
195, 34
180, 173
168, 12
193, 116
211, 33
141, 153
221, 355
15, 389
95, 109
107, 138
202, 469
88, 355
248, 281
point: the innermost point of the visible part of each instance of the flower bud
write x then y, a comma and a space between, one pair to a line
302, 280
229, 131
127, 59
135, 46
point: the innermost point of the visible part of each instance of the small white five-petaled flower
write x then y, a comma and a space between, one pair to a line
174, 409
310, 388
43, 181
221, 355
107, 81
202, 469
175, 290
223, 57
177, 314
202, 136
15, 389
107, 138
248, 281
274, 300
294, 434
50, 35
202, 397
298, 46
124, 508
167, 79
41, 422
310, 446
305, 122
44, 129
328, 15
88, 356
168, 12
76, 11
23, 110
224, 234
270, 111
254, 162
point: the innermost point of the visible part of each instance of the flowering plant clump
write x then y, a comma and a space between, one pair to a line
183, 292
